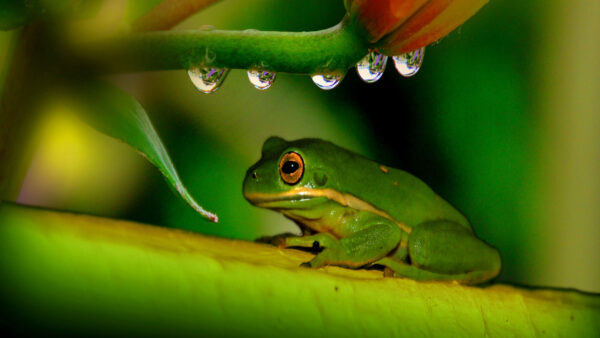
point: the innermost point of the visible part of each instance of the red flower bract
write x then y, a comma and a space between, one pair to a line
400, 26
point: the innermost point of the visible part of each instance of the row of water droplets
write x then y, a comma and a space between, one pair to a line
370, 69
209, 79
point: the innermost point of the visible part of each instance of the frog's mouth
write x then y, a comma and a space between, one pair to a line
291, 199
306, 198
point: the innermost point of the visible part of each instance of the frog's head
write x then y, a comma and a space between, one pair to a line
290, 175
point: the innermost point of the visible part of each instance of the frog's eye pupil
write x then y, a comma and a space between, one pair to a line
290, 167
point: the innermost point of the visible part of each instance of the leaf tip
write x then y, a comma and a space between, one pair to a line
205, 213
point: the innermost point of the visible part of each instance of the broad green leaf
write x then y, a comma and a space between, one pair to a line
76, 274
115, 113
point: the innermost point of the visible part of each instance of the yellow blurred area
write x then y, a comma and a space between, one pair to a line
77, 168
5, 49
569, 100
110, 19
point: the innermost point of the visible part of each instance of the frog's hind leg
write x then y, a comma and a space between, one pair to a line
442, 250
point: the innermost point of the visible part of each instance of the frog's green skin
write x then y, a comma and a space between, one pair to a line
364, 213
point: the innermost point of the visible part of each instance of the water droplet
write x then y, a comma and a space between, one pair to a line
261, 79
328, 81
207, 79
408, 64
371, 67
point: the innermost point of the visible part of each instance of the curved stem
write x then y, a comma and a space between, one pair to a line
336, 48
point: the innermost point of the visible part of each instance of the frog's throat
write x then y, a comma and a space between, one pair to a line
346, 200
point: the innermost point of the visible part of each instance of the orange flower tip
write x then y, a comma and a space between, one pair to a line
400, 26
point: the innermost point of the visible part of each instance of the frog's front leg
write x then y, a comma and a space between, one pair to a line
361, 248
287, 239
323, 239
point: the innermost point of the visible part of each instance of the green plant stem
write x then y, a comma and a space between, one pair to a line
337, 48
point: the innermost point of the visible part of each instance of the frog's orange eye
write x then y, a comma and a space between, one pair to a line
291, 167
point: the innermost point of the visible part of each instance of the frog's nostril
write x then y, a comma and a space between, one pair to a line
254, 176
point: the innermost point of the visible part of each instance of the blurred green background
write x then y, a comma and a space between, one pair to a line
503, 120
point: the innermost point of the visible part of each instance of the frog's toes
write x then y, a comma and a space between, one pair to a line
264, 239
279, 242
316, 245
388, 272
306, 265
314, 263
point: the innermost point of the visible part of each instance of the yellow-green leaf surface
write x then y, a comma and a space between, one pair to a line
117, 114
82, 274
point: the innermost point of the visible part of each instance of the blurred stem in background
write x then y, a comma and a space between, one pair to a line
168, 13
18, 110
569, 77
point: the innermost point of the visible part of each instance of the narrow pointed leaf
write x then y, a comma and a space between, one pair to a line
115, 113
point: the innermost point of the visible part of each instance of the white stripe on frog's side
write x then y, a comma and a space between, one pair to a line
347, 200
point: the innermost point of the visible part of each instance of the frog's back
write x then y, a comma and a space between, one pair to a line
410, 200
401, 195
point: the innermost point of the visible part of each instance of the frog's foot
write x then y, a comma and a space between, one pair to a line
331, 256
305, 265
387, 271
399, 269
277, 240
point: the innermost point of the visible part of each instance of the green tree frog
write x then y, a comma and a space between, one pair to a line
363, 213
